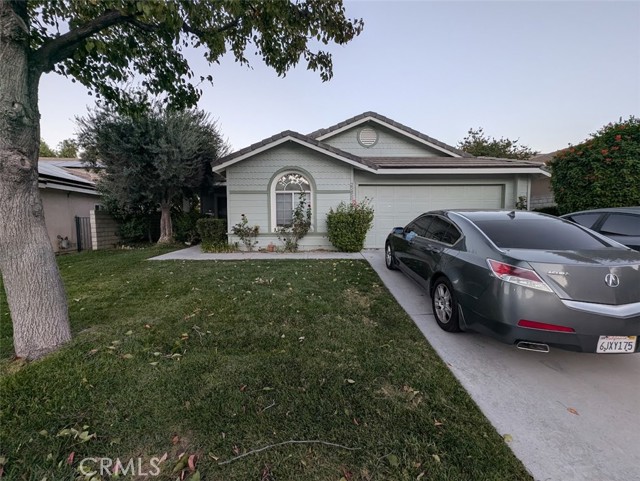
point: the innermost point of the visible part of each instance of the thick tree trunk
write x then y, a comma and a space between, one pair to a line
32, 282
166, 227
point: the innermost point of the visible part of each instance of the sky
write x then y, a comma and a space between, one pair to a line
546, 73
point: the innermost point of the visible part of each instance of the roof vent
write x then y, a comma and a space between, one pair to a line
368, 137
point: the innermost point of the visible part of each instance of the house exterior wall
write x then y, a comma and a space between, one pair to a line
541, 193
389, 144
249, 190
60, 209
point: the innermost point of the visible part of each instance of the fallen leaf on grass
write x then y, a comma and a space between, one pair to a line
192, 463
436, 458
127, 356
393, 460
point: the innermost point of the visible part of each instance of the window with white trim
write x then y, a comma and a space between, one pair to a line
289, 188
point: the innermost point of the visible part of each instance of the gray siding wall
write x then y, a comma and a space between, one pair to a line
390, 144
249, 190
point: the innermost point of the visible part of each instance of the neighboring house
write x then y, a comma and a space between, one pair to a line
541, 192
403, 172
68, 191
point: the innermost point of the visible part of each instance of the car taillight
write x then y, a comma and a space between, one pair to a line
544, 326
517, 275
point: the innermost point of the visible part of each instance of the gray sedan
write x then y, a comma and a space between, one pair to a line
525, 278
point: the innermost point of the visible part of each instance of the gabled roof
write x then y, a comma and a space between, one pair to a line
325, 133
451, 159
290, 135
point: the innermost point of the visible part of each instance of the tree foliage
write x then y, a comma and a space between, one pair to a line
151, 157
45, 150
110, 41
603, 171
68, 148
479, 144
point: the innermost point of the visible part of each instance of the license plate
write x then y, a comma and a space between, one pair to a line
616, 344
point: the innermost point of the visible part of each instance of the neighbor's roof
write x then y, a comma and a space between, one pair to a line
544, 159
75, 167
52, 176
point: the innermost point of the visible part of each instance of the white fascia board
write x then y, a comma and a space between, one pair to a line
391, 127
222, 167
50, 185
491, 170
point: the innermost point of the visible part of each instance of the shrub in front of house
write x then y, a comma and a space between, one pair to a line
213, 233
603, 171
246, 233
348, 225
300, 225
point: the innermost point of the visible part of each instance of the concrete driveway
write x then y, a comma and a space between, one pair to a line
569, 416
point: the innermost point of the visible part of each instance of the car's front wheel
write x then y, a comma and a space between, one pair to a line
390, 258
445, 305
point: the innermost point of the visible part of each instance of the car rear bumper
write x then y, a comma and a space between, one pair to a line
503, 305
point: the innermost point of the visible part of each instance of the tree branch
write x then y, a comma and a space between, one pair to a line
62, 47
254, 451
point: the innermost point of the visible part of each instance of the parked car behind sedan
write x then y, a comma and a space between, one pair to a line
621, 224
525, 278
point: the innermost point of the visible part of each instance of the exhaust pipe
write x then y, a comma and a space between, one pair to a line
532, 346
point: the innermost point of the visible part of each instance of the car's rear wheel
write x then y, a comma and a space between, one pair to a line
390, 258
445, 305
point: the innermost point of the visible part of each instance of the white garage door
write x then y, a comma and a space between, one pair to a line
397, 205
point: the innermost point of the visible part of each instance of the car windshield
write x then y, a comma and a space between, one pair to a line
540, 234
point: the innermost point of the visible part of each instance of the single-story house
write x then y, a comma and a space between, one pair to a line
68, 192
402, 171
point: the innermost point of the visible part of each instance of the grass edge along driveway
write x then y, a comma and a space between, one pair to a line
178, 367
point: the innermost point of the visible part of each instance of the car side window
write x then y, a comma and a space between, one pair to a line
419, 226
443, 231
621, 224
585, 220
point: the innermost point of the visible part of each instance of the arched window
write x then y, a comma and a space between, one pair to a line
289, 188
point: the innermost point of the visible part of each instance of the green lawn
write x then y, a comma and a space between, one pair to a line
217, 359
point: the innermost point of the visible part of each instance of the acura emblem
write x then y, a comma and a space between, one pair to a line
611, 280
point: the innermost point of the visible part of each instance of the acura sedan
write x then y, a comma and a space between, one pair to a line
526, 278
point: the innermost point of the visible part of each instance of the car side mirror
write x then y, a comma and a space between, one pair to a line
398, 230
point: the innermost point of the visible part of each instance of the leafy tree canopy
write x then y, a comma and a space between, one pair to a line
603, 171
45, 150
151, 157
110, 41
68, 148
479, 144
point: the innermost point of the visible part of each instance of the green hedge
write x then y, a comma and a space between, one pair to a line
348, 225
604, 171
213, 233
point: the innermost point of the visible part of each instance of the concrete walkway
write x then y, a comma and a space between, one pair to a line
568, 416
195, 254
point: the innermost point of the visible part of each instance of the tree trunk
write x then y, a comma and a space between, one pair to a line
35, 293
166, 228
